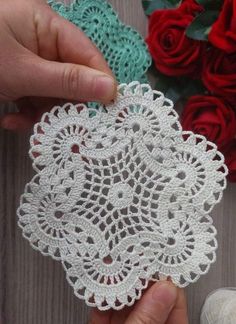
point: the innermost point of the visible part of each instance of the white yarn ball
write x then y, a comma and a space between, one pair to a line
220, 307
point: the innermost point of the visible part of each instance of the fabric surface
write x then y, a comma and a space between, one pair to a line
122, 196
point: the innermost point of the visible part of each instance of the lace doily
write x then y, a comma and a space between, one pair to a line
122, 197
123, 48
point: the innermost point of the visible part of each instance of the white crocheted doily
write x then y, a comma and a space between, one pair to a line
122, 196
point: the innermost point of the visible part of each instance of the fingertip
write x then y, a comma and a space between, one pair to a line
164, 292
99, 317
156, 304
105, 88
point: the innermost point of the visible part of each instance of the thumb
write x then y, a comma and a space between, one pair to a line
44, 78
155, 306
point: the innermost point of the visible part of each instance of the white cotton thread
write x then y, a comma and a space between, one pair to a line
122, 197
219, 307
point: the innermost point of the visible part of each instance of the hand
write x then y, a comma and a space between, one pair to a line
44, 57
163, 303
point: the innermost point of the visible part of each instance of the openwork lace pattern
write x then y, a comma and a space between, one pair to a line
122, 197
123, 48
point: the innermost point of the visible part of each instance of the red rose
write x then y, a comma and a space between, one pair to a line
191, 6
211, 117
223, 32
219, 74
173, 52
229, 152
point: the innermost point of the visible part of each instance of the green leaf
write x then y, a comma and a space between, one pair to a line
211, 4
201, 25
150, 6
174, 3
178, 88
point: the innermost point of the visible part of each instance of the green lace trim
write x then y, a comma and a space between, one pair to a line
122, 46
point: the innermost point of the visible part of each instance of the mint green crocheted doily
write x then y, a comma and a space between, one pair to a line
122, 46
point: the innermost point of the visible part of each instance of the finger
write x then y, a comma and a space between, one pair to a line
31, 110
35, 107
29, 113
72, 45
99, 317
44, 78
155, 306
119, 317
16, 122
179, 313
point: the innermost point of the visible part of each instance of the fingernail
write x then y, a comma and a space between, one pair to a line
166, 293
105, 88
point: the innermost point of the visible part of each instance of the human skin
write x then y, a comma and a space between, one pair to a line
44, 58
162, 303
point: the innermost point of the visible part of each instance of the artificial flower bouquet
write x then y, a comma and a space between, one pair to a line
193, 46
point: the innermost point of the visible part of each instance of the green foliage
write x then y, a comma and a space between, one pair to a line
211, 4
178, 88
150, 6
201, 25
